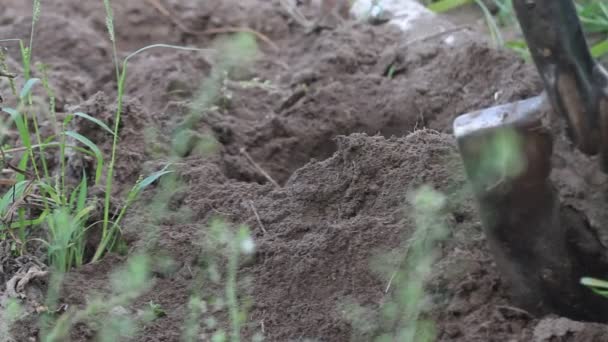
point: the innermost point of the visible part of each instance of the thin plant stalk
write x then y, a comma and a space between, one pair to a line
231, 298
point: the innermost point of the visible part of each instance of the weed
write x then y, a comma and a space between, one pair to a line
401, 314
221, 246
110, 309
156, 310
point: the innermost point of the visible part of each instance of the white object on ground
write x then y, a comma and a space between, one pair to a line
409, 15
406, 12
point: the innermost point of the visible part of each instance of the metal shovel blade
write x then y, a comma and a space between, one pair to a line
506, 152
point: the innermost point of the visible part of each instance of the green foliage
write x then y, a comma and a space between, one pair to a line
401, 316
106, 309
156, 309
64, 211
67, 228
592, 13
221, 246
109, 229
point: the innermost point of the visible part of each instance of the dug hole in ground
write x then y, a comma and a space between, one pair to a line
350, 122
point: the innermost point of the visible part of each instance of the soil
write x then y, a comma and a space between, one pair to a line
347, 122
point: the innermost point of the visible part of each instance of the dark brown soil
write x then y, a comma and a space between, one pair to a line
346, 144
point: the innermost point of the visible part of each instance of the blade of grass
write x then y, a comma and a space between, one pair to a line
93, 148
492, 26
15, 191
106, 237
446, 5
29, 223
131, 197
95, 121
600, 49
21, 126
27, 88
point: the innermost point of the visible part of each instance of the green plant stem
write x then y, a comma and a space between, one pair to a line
231, 298
45, 168
105, 238
106, 230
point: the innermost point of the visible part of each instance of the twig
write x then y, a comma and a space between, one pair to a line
7, 74
16, 285
14, 168
390, 282
257, 217
438, 34
259, 168
296, 15
516, 310
165, 12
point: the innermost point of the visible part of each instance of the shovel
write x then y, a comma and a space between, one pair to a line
506, 151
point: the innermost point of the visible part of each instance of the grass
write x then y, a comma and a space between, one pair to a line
401, 316
57, 215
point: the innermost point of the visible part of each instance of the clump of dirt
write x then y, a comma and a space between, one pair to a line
331, 220
339, 119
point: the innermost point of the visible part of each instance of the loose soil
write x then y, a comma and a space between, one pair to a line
348, 121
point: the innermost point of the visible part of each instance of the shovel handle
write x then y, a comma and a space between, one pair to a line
571, 77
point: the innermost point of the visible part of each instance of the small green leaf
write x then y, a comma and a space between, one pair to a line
82, 194
599, 49
95, 121
21, 127
446, 5
93, 148
152, 178
68, 119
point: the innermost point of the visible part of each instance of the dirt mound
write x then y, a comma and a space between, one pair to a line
333, 218
316, 236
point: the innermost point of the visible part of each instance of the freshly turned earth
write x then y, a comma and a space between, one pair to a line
346, 156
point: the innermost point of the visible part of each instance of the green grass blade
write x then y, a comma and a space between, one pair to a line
29, 223
593, 16
93, 148
15, 191
446, 5
152, 178
83, 214
21, 127
74, 196
491, 22
599, 49
27, 88
95, 121
49, 191
82, 194
23, 165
